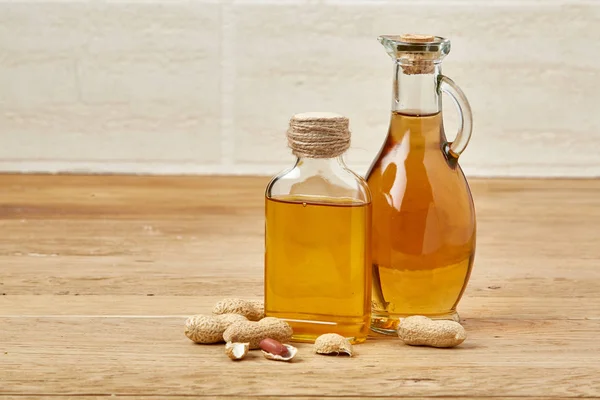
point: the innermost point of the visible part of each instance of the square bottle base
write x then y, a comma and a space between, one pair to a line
307, 329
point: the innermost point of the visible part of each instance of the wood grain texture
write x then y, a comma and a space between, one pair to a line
182, 397
97, 274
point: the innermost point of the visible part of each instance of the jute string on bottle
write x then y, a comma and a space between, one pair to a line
318, 135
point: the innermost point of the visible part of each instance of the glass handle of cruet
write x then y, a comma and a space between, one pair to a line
460, 142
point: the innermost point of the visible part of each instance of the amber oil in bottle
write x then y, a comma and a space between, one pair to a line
321, 242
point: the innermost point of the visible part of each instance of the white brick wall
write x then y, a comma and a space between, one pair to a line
176, 86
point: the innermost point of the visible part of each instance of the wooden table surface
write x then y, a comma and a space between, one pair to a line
97, 275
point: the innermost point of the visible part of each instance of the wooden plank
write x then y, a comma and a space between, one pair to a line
122, 355
200, 395
68, 304
126, 197
206, 269
174, 256
132, 196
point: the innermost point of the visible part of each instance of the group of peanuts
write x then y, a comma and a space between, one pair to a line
242, 325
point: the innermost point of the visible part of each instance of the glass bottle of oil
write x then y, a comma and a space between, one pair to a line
317, 235
423, 214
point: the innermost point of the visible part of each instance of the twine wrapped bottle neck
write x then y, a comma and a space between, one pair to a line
318, 135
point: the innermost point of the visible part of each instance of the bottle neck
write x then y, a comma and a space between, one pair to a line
320, 165
416, 93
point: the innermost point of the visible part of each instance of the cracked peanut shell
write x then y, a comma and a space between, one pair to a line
332, 343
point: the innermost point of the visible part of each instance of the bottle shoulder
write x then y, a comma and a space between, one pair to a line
323, 179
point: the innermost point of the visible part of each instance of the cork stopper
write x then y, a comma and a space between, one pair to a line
318, 135
418, 62
416, 38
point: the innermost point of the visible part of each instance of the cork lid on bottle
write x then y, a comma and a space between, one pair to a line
416, 53
416, 38
318, 135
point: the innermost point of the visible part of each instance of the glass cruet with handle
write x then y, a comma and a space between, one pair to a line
423, 232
